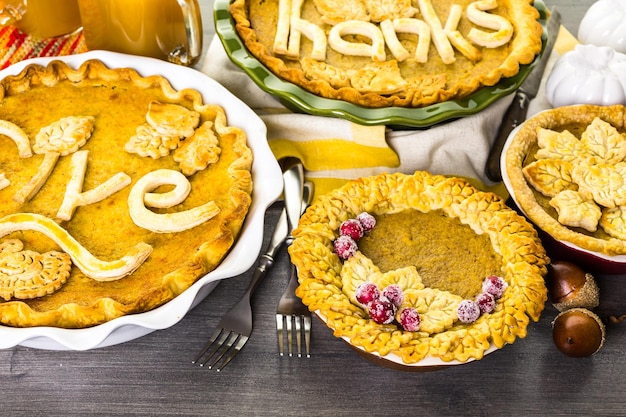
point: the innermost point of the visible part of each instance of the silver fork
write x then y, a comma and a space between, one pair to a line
235, 328
293, 318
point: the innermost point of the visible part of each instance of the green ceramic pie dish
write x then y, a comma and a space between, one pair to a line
302, 101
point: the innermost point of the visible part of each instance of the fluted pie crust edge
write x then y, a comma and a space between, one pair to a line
428, 84
118, 99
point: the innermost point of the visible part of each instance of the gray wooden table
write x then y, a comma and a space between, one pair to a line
154, 376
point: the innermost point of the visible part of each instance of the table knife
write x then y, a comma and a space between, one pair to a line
281, 230
517, 111
294, 185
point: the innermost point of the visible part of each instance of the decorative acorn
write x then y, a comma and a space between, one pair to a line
570, 287
578, 332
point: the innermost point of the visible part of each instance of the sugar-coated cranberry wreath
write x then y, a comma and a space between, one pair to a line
338, 286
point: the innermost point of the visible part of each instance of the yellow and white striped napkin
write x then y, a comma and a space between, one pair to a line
335, 150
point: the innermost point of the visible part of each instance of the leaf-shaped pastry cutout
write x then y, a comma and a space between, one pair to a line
336, 11
603, 141
576, 211
603, 183
437, 309
172, 119
405, 278
506, 325
550, 176
64, 136
378, 77
147, 142
613, 221
477, 209
380, 10
356, 270
198, 151
313, 69
360, 269
26, 274
557, 145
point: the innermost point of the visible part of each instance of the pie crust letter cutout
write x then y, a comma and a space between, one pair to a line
29, 190
167, 222
502, 27
375, 49
90, 265
17, 135
74, 197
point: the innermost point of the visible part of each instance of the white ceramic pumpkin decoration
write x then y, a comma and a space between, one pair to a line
588, 74
604, 24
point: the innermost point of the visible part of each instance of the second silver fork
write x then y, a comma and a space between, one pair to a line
293, 318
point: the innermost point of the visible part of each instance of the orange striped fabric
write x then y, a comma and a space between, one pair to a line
16, 46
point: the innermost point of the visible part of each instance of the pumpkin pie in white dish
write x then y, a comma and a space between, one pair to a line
401, 53
420, 267
118, 193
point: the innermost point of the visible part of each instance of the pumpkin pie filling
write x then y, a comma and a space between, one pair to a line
448, 256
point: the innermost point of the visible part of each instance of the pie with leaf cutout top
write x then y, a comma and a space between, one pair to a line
566, 169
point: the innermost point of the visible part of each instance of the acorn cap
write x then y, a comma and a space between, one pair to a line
578, 332
569, 286
587, 296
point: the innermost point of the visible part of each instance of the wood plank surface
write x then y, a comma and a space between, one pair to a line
153, 375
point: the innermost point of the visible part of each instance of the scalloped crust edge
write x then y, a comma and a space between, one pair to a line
208, 256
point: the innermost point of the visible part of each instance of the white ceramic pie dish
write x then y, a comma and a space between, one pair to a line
267, 179
393, 361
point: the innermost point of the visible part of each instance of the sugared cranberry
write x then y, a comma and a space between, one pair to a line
345, 247
468, 311
486, 302
367, 221
394, 294
366, 293
352, 228
495, 286
382, 311
410, 319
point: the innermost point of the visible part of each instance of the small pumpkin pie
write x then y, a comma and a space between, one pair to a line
436, 268
567, 172
117, 193
400, 53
